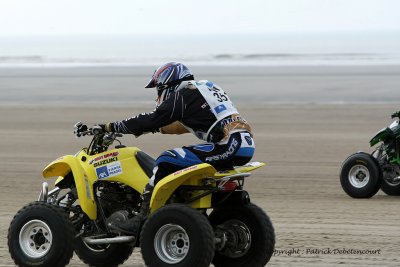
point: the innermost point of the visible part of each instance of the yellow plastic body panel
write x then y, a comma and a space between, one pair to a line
61, 167
117, 165
121, 165
132, 174
240, 169
190, 176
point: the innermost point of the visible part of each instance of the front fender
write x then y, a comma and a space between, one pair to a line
164, 188
64, 165
380, 136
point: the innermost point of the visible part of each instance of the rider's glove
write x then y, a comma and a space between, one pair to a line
79, 128
106, 128
97, 129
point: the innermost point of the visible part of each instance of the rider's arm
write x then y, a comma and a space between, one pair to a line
168, 112
174, 128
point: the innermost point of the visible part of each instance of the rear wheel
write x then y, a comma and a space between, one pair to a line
179, 236
360, 176
247, 235
391, 188
41, 234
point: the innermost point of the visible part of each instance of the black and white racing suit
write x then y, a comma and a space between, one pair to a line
204, 109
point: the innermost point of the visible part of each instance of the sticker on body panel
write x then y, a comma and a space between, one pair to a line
109, 170
253, 164
186, 169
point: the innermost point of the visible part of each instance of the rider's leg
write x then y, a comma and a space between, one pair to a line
161, 170
167, 163
237, 150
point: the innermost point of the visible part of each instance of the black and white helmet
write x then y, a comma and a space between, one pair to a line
168, 77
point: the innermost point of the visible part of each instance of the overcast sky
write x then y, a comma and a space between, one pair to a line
70, 17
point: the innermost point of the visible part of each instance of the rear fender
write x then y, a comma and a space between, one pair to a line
167, 186
251, 166
62, 167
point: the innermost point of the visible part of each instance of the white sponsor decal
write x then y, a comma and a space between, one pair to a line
109, 170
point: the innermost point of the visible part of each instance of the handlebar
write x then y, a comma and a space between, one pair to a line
101, 140
98, 132
95, 130
81, 129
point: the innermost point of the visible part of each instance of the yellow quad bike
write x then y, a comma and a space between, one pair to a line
198, 215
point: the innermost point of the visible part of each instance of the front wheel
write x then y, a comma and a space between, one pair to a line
360, 176
179, 236
247, 234
41, 234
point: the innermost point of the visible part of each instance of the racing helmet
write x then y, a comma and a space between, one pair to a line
167, 79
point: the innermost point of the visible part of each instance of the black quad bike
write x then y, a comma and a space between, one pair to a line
363, 174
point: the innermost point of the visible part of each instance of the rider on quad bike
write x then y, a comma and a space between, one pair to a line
184, 105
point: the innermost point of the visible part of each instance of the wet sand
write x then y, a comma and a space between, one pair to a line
124, 86
303, 144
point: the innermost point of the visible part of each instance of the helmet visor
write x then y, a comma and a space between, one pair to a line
152, 83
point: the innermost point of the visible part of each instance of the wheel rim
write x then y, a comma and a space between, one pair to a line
393, 183
359, 176
171, 243
390, 182
35, 239
239, 239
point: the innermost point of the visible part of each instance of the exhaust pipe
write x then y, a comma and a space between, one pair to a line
113, 240
44, 193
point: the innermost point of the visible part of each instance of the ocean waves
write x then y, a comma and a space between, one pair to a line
256, 59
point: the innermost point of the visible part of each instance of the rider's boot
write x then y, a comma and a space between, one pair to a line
132, 225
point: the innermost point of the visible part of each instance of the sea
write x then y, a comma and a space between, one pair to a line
296, 49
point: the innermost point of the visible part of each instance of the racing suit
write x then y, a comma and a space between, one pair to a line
204, 109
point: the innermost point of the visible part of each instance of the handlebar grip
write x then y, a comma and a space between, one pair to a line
79, 129
97, 130
78, 124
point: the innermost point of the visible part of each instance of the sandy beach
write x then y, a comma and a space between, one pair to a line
306, 121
